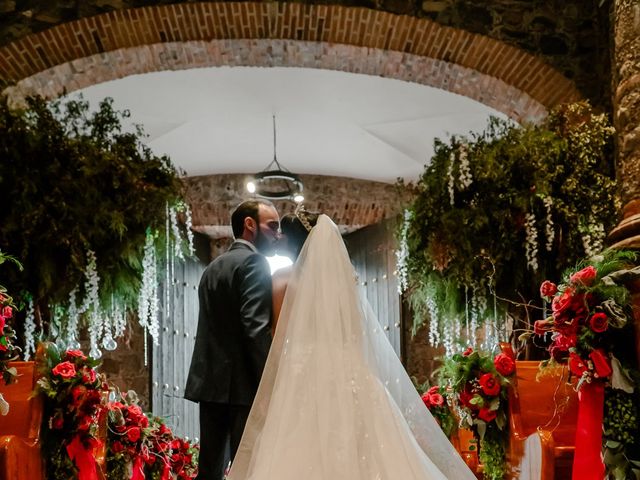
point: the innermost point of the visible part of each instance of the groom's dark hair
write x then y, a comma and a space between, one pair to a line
248, 208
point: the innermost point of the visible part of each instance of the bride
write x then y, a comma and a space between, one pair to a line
334, 402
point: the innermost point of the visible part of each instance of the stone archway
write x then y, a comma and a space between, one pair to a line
126, 42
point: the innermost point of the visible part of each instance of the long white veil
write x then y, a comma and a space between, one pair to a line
334, 402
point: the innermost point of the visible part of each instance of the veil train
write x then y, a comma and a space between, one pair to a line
334, 402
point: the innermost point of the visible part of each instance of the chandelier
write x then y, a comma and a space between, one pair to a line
276, 182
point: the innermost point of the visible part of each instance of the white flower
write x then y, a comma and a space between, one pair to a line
466, 179
29, 331
531, 245
402, 254
548, 229
451, 179
148, 296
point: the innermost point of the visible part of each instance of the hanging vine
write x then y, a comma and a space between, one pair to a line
498, 212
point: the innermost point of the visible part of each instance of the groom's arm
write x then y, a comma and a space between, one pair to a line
255, 308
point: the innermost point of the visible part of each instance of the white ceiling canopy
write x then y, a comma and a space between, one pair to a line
219, 120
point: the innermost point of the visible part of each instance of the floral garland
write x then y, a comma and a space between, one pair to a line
590, 330
75, 396
148, 296
476, 386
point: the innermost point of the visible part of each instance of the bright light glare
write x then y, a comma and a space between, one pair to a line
277, 261
251, 187
298, 198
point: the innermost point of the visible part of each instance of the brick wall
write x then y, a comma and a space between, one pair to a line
123, 42
570, 35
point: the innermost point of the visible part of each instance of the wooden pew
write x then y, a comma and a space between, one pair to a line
542, 421
20, 457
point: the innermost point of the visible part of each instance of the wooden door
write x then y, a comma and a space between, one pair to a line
172, 357
372, 251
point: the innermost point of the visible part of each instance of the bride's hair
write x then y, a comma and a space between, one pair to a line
296, 227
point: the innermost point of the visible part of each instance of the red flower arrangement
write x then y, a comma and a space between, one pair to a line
585, 312
589, 329
477, 384
8, 350
140, 448
75, 401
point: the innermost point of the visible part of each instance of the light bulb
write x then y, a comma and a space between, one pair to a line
298, 198
251, 187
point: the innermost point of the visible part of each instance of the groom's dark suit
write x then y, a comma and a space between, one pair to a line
232, 343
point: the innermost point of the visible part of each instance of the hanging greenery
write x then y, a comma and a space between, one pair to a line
499, 211
78, 194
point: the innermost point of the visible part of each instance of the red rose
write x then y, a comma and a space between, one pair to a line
600, 363
467, 352
433, 390
57, 423
576, 365
7, 311
2, 323
548, 289
133, 434
490, 386
64, 370
116, 447
599, 322
504, 364
561, 345
89, 375
426, 398
437, 399
465, 398
487, 415
75, 354
164, 429
563, 301
584, 277
540, 327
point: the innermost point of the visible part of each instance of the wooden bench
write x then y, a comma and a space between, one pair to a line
20, 457
542, 421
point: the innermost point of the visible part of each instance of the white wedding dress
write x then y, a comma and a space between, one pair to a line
334, 402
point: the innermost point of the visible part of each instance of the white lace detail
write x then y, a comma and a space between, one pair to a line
334, 401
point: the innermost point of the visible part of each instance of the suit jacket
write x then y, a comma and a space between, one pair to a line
234, 331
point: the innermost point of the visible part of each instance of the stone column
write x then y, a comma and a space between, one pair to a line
626, 106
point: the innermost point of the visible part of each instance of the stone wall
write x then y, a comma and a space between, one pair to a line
570, 35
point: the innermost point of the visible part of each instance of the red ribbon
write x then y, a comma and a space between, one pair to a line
138, 468
83, 458
587, 460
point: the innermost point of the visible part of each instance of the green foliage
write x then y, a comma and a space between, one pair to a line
621, 434
468, 230
492, 455
72, 181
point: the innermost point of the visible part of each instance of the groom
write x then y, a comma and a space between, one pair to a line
233, 336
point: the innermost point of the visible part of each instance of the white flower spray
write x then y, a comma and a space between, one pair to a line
29, 331
148, 297
175, 230
71, 337
91, 304
593, 236
189, 227
548, 229
531, 245
402, 254
451, 178
465, 177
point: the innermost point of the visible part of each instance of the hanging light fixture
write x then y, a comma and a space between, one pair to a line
276, 182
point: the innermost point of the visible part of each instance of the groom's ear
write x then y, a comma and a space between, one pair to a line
250, 226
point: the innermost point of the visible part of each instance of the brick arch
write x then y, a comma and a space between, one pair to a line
173, 37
